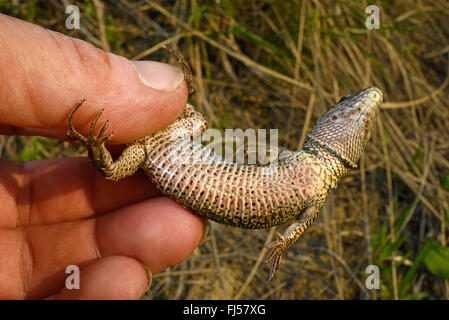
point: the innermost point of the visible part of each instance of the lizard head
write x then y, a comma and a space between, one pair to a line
346, 128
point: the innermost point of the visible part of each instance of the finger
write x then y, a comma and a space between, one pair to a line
40, 86
157, 232
25, 131
114, 277
58, 190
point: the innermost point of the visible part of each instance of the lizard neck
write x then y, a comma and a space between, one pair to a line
335, 165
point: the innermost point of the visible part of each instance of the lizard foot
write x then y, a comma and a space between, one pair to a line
277, 247
92, 141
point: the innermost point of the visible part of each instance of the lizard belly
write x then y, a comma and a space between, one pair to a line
235, 194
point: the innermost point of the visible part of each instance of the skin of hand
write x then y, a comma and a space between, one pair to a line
61, 212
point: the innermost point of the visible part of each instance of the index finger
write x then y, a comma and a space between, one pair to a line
40, 86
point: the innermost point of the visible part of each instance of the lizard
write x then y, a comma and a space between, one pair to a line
292, 189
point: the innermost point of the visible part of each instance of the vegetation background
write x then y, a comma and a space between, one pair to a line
281, 64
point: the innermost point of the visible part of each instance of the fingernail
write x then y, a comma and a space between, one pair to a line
150, 277
159, 76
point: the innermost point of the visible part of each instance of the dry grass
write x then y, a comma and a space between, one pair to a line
281, 64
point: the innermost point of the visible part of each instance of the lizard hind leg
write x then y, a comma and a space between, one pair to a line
191, 123
288, 238
195, 119
185, 68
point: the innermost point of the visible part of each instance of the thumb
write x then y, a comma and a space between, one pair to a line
45, 73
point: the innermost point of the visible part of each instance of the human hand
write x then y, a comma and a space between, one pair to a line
61, 212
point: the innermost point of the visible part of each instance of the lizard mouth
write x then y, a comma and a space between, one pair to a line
348, 137
371, 102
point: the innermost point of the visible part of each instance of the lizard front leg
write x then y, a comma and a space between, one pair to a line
129, 161
289, 237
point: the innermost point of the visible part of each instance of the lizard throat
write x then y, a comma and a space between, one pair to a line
316, 147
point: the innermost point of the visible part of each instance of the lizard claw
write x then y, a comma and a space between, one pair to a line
100, 137
72, 133
91, 141
277, 247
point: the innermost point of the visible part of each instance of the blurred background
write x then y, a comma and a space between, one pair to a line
281, 64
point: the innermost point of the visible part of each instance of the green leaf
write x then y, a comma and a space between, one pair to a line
437, 260
30, 12
30, 152
198, 13
5, 4
403, 218
445, 182
383, 234
258, 40
388, 249
412, 273
414, 162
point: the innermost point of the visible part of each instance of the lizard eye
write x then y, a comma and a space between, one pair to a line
346, 97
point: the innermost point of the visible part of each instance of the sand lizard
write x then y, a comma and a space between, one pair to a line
292, 189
